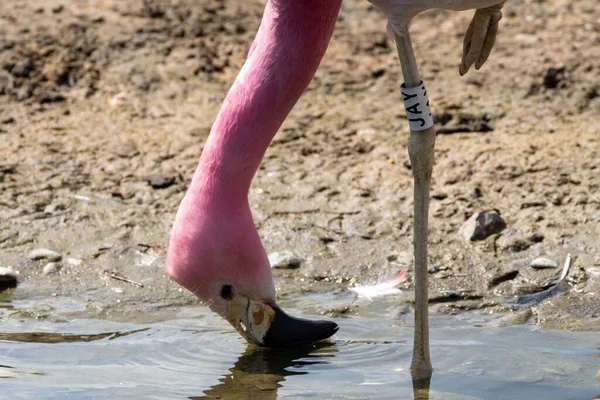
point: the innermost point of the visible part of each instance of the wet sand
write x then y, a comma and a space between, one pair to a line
105, 106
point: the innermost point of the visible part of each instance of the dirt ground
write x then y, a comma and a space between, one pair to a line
105, 106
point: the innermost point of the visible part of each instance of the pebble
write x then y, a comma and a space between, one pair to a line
593, 272
516, 318
51, 268
543, 263
73, 261
6, 236
285, 260
482, 225
526, 38
160, 181
8, 277
23, 68
502, 276
45, 254
514, 245
24, 93
366, 132
554, 77
127, 149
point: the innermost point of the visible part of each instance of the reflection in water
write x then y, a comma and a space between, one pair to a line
421, 388
53, 337
258, 372
87, 359
6, 371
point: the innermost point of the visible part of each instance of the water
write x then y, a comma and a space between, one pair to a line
197, 356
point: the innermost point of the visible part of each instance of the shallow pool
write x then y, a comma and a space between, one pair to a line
197, 356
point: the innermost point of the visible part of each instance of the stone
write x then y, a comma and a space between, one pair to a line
8, 277
45, 254
593, 272
73, 261
554, 77
51, 268
160, 181
515, 318
285, 260
24, 92
515, 245
6, 236
501, 276
481, 225
127, 150
543, 263
23, 68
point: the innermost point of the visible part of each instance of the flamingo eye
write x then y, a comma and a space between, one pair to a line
227, 292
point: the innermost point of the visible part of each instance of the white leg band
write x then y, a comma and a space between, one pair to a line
417, 107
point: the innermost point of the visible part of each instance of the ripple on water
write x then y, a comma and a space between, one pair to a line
201, 357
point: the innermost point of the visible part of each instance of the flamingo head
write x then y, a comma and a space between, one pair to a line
216, 253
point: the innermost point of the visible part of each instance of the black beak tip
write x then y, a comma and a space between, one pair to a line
328, 329
286, 331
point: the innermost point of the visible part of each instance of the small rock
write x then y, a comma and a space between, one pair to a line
141, 82
118, 101
366, 132
285, 260
593, 272
516, 318
23, 68
379, 72
554, 77
526, 38
536, 238
473, 80
127, 149
24, 92
502, 276
51, 96
515, 245
439, 195
6, 236
73, 261
51, 268
8, 277
482, 225
160, 181
543, 263
45, 254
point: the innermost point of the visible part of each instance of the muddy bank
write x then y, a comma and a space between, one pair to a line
105, 106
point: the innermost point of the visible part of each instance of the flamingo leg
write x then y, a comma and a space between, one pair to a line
421, 152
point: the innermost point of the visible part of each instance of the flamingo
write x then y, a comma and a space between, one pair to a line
215, 250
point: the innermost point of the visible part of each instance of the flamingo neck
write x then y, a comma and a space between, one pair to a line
286, 52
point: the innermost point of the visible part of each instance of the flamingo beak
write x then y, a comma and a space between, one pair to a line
267, 325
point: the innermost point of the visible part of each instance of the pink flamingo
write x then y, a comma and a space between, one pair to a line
215, 250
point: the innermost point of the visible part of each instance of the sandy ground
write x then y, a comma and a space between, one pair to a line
105, 106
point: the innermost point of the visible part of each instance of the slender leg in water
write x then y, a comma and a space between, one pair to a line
478, 43
420, 149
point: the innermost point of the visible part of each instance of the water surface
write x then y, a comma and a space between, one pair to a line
197, 356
